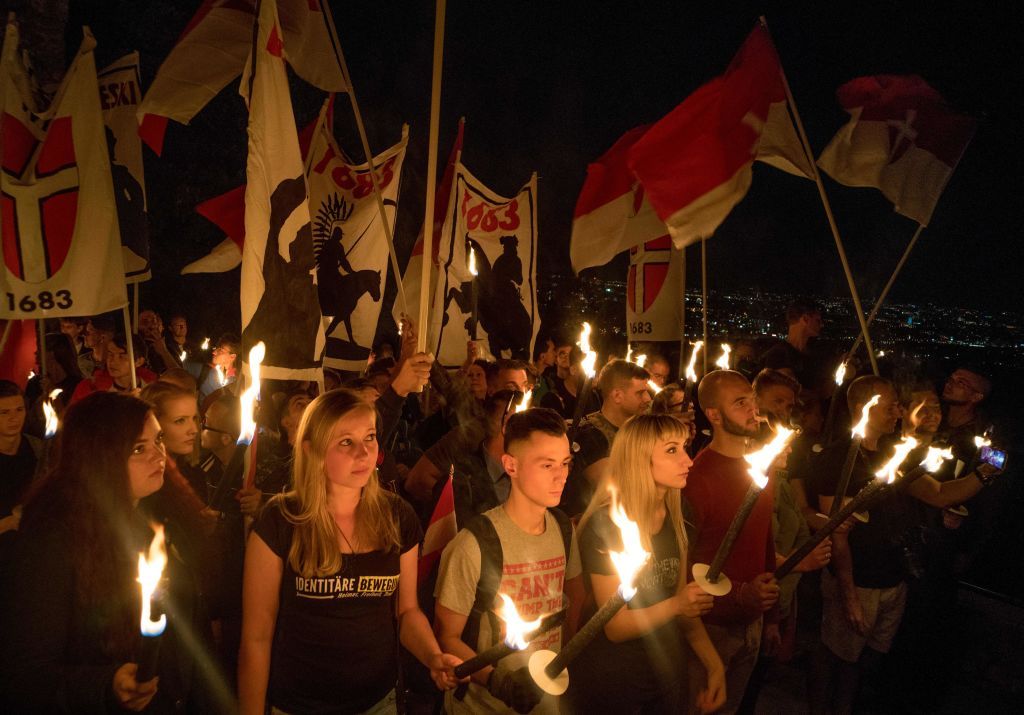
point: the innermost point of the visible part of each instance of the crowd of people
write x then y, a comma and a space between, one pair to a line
298, 586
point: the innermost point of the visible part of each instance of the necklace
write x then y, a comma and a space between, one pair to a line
348, 543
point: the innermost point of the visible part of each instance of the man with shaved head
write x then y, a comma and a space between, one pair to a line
716, 485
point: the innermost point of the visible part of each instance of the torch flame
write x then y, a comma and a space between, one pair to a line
150, 571
472, 261
841, 373
860, 427
982, 441
54, 392
632, 558
691, 373
629, 353
249, 397
933, 461
205, 345
524, 404
641, 360
51, 414
723, 359
221, 377
888, 472
589, 363
653, 387
182, 355
516, 629
762, 459
31, 374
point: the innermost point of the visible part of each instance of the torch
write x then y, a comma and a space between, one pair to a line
830, 417
866, 496
640, 360
857, 437
246, 443
524, 404
150, 571
182, 355
205, 345
473, 272
710, 577
691, 372
221, 377
979, 442
52, 422
518, 634
589, 370
722, 363
547, 667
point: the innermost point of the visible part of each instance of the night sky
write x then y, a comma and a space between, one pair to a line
549, 86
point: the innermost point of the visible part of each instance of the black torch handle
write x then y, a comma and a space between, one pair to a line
498, 651
844, 476
149, 659
581, 404
585, 635
725, 548
232, 474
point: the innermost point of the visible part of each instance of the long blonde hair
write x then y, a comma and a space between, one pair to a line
314, 550
629, 473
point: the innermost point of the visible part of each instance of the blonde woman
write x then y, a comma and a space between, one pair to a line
330, 578
637, 664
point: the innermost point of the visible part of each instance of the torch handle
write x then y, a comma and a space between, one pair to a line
581, 403
585, 635
830, 417
481, 660
231, 475
844, 476
746, 506
149, 659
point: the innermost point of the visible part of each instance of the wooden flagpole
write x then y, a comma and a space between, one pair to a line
888, 286
135, 305
704, 296
7, 332
343, 66
129, 346
428, 214
816, 175
682, 319
41, 336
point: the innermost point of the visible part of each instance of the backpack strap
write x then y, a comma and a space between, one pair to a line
491, 562
565, 528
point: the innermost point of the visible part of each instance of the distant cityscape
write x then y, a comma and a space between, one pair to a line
926, 331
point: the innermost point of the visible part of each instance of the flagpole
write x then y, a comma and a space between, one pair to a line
428, 213
339, 53
704, 296
135, 305
7, 332
888, 286
682, 320
129, 345
41, 335
828, 209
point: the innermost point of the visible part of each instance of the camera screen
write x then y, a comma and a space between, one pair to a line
995, 457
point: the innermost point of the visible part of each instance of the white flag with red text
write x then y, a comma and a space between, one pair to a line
279, 299
212, 51
58, 219
902, 139
349, 242
695, 163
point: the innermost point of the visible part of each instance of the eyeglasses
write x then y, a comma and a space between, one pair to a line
208, 428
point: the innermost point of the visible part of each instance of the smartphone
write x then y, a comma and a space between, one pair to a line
995, 457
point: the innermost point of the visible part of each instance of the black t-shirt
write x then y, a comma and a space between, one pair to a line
784, 355
643, 666
16, 472
877, 546
335, 648
589, 444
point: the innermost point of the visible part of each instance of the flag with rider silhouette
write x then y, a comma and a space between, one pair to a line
497, 306
280, 306
349, 243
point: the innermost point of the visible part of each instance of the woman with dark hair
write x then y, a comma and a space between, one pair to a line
329, 566
71, 626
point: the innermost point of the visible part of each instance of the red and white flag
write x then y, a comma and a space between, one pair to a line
612, 214
902, 139
695, 163
58, 219
441, 529
212, 51
279, 299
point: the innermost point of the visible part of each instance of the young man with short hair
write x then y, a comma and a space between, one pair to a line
716, 485
659, 368
223, 356
19, 461
803, 322
524, 549
117, 375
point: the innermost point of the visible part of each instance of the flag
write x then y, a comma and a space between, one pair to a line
441, 529
654, 290
503, 235
213, 49
120, 94
278, 294
413, 276
695, 163
902, 139
349, 241
18, 356
612, 214
58, 220
227, 212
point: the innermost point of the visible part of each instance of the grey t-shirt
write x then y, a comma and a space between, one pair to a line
534, 570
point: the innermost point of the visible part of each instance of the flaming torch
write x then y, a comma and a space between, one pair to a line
548, 668
830, 417
710, 577
524, 404
205, 345
150, 571
641, 360
979, 442
722, 363
691, 371
246, 443
52, 422
221, 377
857, 437
518, 634
473, 314
589, 366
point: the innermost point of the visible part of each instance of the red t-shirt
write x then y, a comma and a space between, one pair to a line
714, 489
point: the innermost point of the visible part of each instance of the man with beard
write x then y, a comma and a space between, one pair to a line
716, 485
962, 395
